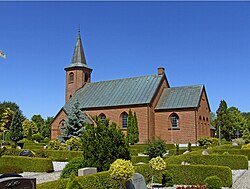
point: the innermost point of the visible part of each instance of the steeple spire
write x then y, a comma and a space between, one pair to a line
78, 58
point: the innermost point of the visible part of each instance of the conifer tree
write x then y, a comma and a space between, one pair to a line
16, 129
74, 125
132, 129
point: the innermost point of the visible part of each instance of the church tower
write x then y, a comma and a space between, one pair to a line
77, 73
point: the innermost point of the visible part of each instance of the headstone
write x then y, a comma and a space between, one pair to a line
17, 183
26, 153
205, 152
137, 182
87, 171
186, 152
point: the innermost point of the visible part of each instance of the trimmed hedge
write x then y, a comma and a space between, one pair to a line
100, 180
137, 159
235, 162
182, 174
245, 152
196, 174
8, 169
28, 164
62, 155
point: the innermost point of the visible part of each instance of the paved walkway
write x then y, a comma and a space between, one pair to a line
243, 182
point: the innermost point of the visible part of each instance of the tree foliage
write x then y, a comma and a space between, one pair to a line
103, 144
45, 129
156, 147
132, 128
230, 120
38, 120
74, 125
16, 129
29, 128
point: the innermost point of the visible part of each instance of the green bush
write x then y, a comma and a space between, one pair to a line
137, 159
156, 147
99, 180
196, 174
56, 145
28, 164
37, 137
167, 179
62, 155
72, 167
11, 152
7, 169
73, 183
245, 152
75, 143
235, 162
137, 148
213, 182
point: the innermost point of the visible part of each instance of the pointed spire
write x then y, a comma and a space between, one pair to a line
78, 56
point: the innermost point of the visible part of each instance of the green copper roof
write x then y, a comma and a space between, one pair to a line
130, 91
180, 97
78, 59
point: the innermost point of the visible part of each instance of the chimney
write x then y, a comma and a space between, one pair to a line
161, 71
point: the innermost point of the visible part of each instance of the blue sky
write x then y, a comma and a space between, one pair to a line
197, 43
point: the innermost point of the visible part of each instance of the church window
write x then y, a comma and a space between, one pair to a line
124, 120
86, 77
71, 77
102, 116
174, 120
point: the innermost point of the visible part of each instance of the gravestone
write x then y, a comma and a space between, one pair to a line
27, 153
87, 171
17, 183
137, 182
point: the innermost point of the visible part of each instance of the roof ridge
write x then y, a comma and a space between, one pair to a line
125, 78
198, 85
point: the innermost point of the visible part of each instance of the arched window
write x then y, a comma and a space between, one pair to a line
71, 77
86, 78
124, 120
174, 119
102, 116
61, 126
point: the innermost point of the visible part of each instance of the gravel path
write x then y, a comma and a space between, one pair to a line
243, 182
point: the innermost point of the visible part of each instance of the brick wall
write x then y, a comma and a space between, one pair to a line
57, 123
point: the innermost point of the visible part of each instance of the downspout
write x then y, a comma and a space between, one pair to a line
148, 120
195, 111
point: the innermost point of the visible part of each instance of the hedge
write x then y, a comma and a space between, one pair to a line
10, 169
183, 174
61, 155
196, 174
100, 180
235, 162
28, 164
245, 152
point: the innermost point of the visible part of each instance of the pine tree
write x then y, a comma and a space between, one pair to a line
16, 129
74, 125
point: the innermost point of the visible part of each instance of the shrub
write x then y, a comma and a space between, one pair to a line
56, 145
156, 148
157, 164
204, 141
213, 182
196, 174
246, 146
75, 143
137, 148
235, 162
37, 137
28, 164
167, 179
7, 169
189, 147
239, 141
137, 159
177, 149
245, 152
72, 167
73, 183
62, 155
121, 170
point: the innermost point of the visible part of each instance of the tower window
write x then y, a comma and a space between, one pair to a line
71, 77
174, 120
124, 120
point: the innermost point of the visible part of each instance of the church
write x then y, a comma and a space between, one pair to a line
177, 115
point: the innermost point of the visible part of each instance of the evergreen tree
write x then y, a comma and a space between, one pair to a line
132, 129
39, 121
103, 144
16, 129
45, 129
74, 125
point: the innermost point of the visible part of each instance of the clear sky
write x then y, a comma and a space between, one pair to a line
197, 43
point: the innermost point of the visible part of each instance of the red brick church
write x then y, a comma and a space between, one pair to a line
175, 114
